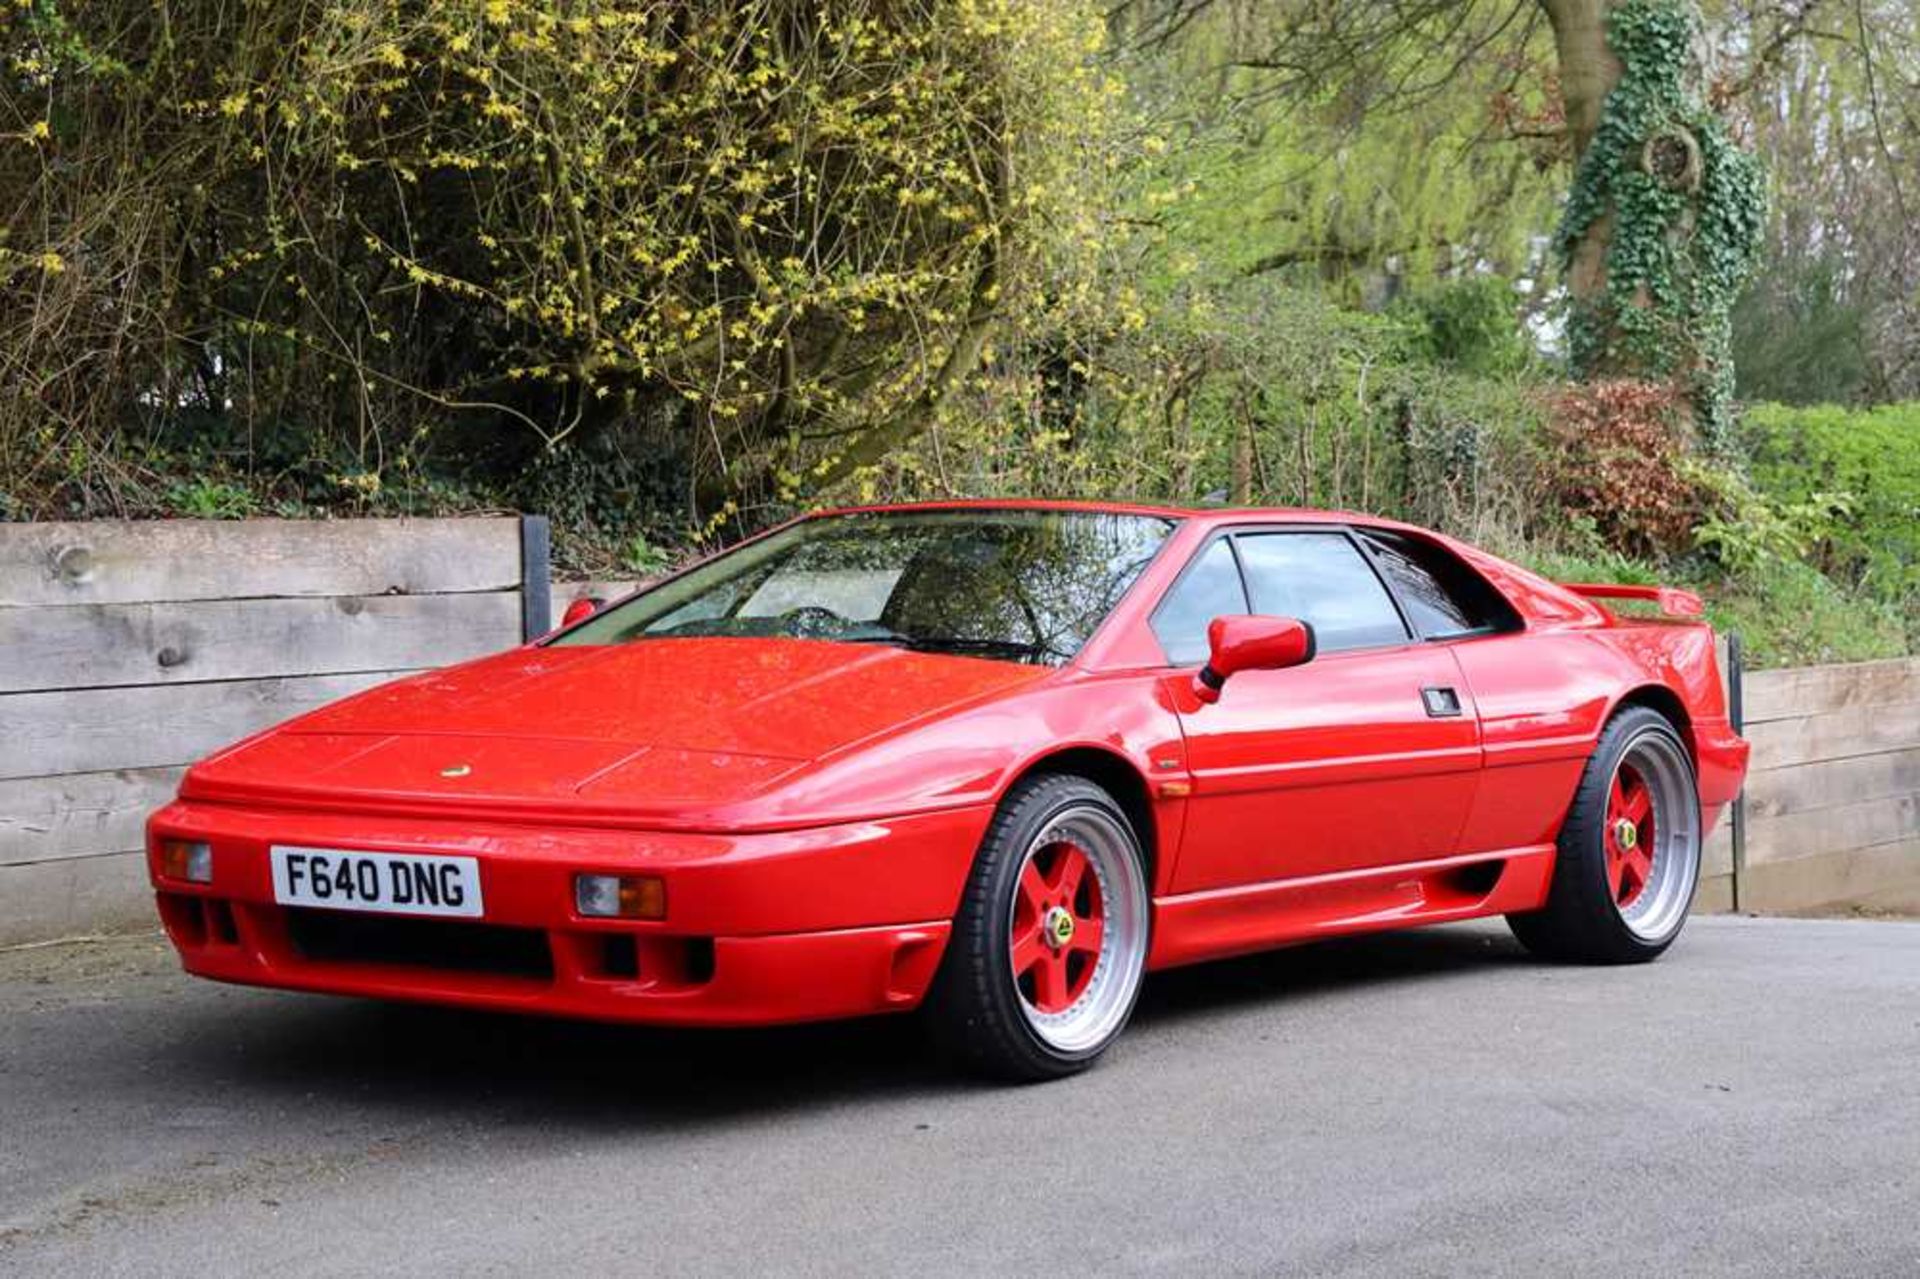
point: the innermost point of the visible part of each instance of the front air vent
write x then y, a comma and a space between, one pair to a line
340, 937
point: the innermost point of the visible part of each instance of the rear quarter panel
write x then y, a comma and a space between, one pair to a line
1546, 694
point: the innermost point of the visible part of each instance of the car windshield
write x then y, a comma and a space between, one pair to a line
1018, 585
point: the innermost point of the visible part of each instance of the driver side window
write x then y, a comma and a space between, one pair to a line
1321, 578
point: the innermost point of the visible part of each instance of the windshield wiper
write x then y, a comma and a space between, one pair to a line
964, 644
874, 633
960, 644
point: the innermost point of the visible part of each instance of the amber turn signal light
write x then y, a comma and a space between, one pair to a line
620, 896
188, 860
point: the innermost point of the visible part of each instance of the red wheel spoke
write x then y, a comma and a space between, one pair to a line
1616, 868
1616, 802
1639, 806
1028, 950
1087, 935
1050, 982
1068, 872
1638, 867
1033, 890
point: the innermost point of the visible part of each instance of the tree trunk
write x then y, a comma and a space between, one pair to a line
1241, 490
1588, 72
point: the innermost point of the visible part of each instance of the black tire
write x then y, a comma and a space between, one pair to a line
1581, 922
976, 1012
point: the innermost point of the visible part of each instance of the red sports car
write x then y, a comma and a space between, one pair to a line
995, 761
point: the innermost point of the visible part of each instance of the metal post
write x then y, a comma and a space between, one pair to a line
536, 577
1737, 714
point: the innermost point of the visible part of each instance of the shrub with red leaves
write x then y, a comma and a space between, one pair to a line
1617, 452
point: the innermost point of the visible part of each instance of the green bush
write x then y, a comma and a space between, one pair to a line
1791, 614
1259, 390
1798, 336
1787, 612
1471, 325
207, 499
1865, 463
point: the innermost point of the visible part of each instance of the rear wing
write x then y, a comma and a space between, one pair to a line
1671, 601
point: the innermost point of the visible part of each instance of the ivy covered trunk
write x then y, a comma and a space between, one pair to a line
1666, 212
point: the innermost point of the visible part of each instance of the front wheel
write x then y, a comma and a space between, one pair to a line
1629, 853
1050, 941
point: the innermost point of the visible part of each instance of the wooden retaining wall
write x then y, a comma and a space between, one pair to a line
127, 650
1833, 793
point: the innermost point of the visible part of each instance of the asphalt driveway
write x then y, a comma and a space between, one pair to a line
1430, 1103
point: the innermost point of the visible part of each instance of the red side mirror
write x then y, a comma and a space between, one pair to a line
1247, 643
580, 610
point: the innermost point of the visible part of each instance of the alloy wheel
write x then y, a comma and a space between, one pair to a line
1651, 836
1078, 934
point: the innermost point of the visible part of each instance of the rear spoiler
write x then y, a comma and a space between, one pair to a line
1671, 601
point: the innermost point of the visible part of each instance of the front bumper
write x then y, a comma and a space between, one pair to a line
788, 926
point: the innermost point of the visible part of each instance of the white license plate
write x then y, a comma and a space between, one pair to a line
388, 883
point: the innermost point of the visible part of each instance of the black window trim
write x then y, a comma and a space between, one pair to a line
1231, 533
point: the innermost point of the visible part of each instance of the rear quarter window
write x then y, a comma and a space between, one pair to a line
1442, 595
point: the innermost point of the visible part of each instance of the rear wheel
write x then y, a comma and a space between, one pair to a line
1629, 854
1050, 942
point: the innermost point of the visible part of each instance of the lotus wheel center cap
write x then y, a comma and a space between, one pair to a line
1057, 927
1626, 834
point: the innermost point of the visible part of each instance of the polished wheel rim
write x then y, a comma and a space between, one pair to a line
1078, 937
1652, 837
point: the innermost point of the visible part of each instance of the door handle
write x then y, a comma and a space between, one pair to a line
1442, 702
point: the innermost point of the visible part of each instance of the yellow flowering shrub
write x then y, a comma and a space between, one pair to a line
777, 234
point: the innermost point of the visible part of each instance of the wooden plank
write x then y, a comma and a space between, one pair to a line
100, 645
80, 814
75, 897
1871, 824
1814, 690
107, 729
1873, 878
1896, 893
1716, 855
1715, 895
1841, 734
1802, 788
122, 562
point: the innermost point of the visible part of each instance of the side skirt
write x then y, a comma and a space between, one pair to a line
1219, 922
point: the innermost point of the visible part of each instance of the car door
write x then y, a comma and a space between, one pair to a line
1366, 756
1538, 716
